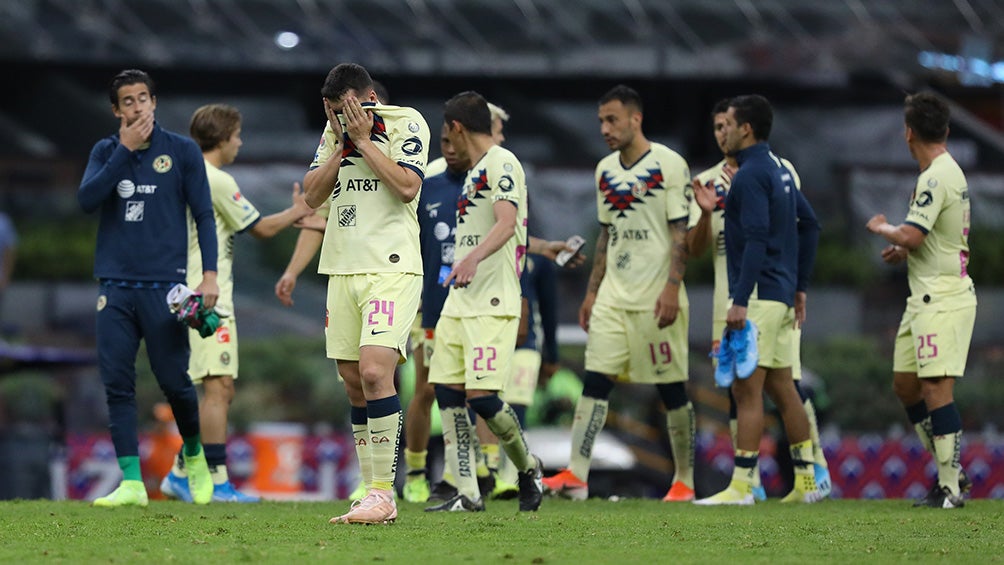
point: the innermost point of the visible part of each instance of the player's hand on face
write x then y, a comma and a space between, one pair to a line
336, 126
284, 289
463, 273
705, 194
667, 306
894, 254
875, 224
135, 134
800, 300
358, 121
735, 319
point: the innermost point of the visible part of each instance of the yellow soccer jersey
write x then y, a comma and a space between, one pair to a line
233, 214
722, 184
940, 208
369, 229
495, 289
636, 202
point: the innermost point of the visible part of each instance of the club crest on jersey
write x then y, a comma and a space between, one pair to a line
163, 163
413, 127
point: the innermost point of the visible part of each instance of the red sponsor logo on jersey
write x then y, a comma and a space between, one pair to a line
223, 334
237, 196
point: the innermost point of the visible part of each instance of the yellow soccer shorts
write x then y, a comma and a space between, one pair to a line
476, 352
215, 355
934, 343
776, 341
370, 309
523, 382
629, 345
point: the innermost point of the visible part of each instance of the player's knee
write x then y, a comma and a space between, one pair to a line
219, 389
674, 395
450, 397
486, 406
596, 385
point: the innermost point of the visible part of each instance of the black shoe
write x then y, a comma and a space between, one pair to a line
940, 497
442, 491
965, 483
486, 485
459, 503
531, 487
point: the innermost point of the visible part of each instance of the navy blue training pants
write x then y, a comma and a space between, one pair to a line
125, 316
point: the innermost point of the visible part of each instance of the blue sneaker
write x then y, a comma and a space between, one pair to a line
176, 487
725, 368
744, 347
227, 493
823, 480
759, 494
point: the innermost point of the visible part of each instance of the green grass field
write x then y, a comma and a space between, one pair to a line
595, 531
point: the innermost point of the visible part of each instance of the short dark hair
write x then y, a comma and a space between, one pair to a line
213, 124
754, 110
625, 94
927, 114
346, 77
720, 107
381, 91
471, 110
126, 78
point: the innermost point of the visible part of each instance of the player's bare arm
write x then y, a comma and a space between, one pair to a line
800, 302
307, 245
667, 306
903, 235
208, 288
318, 183
359, 123
505, 227
894, 254
595, 277
699, 236
550, 249
274, 223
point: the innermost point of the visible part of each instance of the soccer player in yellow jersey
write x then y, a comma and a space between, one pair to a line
636, 308
476, 332
213, 362
707, 225
933, 339
369, 167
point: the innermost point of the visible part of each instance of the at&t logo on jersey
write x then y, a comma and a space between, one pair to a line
126, 189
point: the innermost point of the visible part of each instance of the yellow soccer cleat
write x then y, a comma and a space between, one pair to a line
416, 489
736, 494
805, 490
129, 493
200, 482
